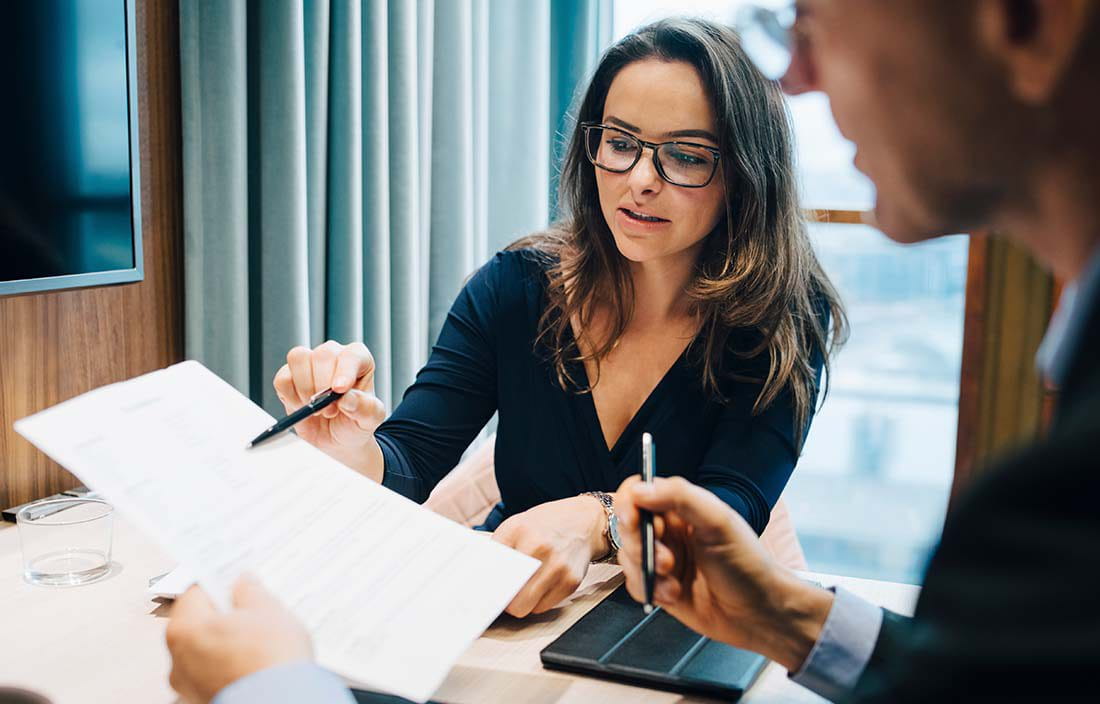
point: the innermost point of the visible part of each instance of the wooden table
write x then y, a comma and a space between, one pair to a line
104, 642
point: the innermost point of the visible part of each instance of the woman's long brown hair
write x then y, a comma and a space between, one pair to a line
757, 271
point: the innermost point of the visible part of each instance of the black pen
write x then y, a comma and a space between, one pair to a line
319, 401
649, 563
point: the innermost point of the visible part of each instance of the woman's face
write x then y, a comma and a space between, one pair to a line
650, 218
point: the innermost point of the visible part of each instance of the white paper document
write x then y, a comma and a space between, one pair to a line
391, 592
171, 585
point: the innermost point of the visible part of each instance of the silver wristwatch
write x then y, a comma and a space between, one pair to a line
612, 530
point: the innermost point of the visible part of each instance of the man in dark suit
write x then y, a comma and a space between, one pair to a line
965, 113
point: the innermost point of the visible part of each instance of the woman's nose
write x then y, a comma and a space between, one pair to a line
644, 177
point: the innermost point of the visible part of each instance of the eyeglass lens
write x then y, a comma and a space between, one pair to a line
680, 164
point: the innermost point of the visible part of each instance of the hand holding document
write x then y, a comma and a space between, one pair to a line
391, 592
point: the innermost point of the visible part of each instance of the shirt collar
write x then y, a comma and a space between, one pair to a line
1067, 325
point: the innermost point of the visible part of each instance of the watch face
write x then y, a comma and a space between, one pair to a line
613, 532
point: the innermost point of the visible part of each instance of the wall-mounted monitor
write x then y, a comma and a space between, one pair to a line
69, 188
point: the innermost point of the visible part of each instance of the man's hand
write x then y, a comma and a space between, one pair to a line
211, 650
566, 535
714, 576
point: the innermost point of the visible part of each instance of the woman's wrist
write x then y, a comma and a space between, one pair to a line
598, 541
367, 460
375, 462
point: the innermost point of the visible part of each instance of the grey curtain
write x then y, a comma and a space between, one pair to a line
347, 164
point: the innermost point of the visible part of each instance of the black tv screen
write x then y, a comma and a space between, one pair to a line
69, 193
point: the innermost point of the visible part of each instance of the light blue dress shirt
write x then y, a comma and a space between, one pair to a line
1068, 323
844, 647
848, 638
292, 683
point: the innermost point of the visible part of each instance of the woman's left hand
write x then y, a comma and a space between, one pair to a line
566, 535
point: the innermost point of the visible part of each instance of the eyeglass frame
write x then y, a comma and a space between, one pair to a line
654, 146
779, 25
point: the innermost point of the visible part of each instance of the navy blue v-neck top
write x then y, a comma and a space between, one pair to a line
549, 442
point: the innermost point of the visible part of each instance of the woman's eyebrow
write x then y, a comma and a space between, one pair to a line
704, 134
611, 119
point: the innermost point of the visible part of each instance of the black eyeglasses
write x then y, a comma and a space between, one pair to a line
685, 164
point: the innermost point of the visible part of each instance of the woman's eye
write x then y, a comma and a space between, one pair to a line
620, 145
688, 159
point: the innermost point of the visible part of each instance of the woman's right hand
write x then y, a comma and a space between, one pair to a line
345, 429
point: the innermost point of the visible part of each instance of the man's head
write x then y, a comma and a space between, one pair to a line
956, 107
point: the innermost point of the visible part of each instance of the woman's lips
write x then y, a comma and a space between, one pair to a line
639, 220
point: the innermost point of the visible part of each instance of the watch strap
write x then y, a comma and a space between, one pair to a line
609, 509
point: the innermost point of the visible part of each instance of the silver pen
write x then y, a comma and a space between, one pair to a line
649, 562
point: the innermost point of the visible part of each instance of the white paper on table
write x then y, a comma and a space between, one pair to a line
172, 585
391, 592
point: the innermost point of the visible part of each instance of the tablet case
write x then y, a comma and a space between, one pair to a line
617, 640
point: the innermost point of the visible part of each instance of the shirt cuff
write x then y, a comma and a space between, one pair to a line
293, 682
844, 648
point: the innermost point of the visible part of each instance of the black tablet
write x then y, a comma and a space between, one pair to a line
617, 640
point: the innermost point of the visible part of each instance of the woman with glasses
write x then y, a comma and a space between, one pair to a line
677, 294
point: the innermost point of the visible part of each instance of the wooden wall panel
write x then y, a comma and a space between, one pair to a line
1001, 401
56, 345
973, 358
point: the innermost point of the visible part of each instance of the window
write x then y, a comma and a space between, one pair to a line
870, 491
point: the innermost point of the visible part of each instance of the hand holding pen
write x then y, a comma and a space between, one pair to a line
342, 427
315, 405
713, 575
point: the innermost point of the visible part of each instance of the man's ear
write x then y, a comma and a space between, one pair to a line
1034, 41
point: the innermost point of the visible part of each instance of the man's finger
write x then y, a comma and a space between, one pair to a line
695, 505
625, 509
249, 592
635, 585
630, 553
191, 613
666, 559
667, 592
194, 605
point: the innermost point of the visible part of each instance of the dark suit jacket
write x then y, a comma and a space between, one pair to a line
1010, 609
